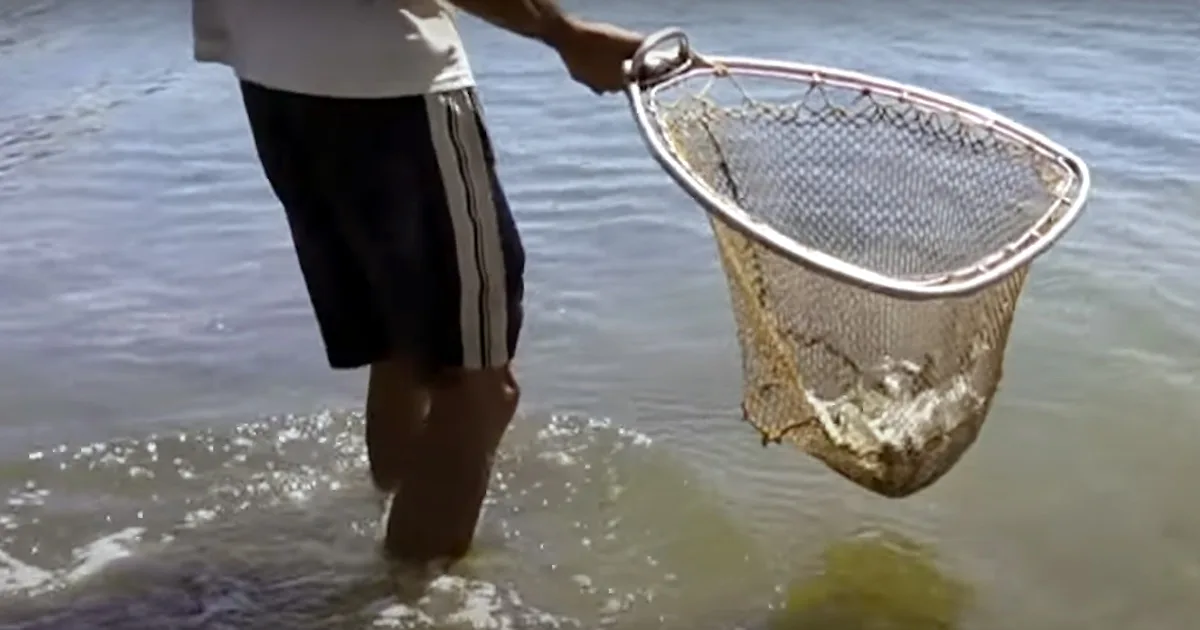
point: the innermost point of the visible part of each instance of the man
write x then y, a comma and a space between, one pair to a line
366, 123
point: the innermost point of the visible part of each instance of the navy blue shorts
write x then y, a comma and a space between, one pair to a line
404, 236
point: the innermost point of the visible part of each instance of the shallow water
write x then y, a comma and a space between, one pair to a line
154, 337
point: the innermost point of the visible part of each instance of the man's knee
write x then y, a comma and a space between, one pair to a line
479, 401
396, 387
492, 391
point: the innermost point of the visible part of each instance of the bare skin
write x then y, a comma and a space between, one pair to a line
593, 52
447, 477
397, 405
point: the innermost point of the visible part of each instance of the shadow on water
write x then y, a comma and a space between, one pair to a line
204, 579
878, 582
310, 568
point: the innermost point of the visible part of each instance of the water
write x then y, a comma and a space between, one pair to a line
174, 452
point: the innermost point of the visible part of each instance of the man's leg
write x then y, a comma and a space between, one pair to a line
323, 160
414, 267
397, 405
477, 315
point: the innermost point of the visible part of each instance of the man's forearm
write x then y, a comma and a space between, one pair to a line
542, 20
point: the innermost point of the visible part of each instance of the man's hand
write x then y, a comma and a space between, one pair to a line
595, 53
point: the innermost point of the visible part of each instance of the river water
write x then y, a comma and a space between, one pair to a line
174, 452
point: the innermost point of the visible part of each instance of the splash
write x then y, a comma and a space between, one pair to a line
271, 524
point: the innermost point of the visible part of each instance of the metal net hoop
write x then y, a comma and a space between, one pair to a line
875, 239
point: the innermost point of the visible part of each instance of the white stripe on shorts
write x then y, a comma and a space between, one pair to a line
483, 313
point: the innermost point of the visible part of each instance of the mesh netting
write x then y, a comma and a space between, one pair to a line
886, 391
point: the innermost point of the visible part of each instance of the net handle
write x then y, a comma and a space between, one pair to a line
651, 65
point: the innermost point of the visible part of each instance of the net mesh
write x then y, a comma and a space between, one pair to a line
887, 392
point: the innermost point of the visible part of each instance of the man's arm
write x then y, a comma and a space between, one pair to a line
541, 20
593, 52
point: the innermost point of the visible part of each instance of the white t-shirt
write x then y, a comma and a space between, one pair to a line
343, 48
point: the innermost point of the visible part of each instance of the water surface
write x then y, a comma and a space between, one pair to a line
166, 409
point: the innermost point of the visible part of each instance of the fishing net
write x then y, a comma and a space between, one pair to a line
875, 239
